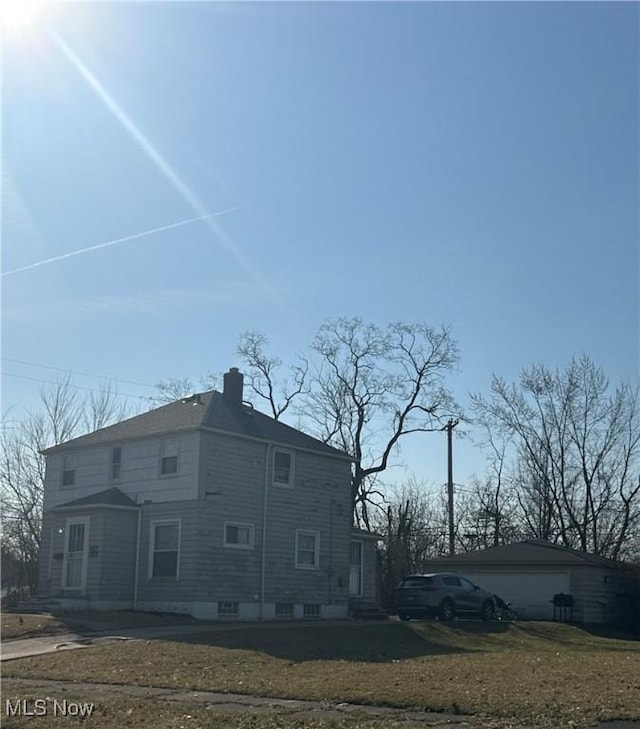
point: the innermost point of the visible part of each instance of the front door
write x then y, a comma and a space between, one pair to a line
355, 569
76, 540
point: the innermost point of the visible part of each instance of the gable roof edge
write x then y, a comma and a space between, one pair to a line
331, 452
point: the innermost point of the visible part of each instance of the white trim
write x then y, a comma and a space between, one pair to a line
316, 561
152, 541
70, 520
239, 525
96, 505
292, 467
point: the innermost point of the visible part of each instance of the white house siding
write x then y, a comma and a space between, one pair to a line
187, 586
319, 501
232, 482
110, 562
140, 472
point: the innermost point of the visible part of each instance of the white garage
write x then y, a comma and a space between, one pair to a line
528, 574
529, 593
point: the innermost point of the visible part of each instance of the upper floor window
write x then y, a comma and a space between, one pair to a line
164, 549
69, 469
169, 459
282, 468
238, 535
116, 463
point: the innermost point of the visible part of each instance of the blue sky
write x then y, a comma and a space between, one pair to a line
474, 164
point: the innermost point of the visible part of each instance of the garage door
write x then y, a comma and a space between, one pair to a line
530, 593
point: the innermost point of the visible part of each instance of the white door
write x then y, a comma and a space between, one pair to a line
529, 592
355, 569
76, 541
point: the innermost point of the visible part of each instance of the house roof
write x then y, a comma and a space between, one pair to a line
205, 410
527, 552
108, 497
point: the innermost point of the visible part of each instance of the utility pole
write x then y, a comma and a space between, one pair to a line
449, 428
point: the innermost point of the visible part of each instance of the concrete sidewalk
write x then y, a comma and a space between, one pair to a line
22, 648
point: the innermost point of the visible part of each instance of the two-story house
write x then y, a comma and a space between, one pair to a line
203, 506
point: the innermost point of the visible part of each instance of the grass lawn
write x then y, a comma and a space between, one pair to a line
29, 625
543, 674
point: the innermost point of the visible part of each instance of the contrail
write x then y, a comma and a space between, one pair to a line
118, 240
158, 160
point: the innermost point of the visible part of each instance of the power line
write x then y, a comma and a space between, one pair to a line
72, 372
77, 387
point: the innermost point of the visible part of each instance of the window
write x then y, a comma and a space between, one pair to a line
284, 610
228, 608
116, 463
307, 549
282, 468
451, 581
311, 610
169, 461
69, 469
165, 549
238, 536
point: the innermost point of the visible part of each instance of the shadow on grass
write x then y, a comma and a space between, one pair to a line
579, 635
20, 624
378, 643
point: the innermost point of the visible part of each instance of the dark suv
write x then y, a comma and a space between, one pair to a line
442, 594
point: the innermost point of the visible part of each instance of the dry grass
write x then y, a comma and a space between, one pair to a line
541, 673
15, 625
28, 625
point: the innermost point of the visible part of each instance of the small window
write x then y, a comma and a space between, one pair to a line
69, 469
238, 536
228, 608
165, 548
311, 610
284, 610
307, 549
282, 468
169, 462
116, 463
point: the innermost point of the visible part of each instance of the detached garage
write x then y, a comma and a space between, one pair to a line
528, 574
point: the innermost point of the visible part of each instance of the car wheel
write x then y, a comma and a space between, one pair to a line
487, 611
447, 610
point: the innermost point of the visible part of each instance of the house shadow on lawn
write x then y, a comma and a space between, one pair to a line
379, 643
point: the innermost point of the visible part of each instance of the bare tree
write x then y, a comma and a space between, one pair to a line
177, 388
577, 454
372, 386
413, 522
63, 415
263, 372
487, 513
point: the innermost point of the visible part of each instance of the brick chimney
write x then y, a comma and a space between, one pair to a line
233, 386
